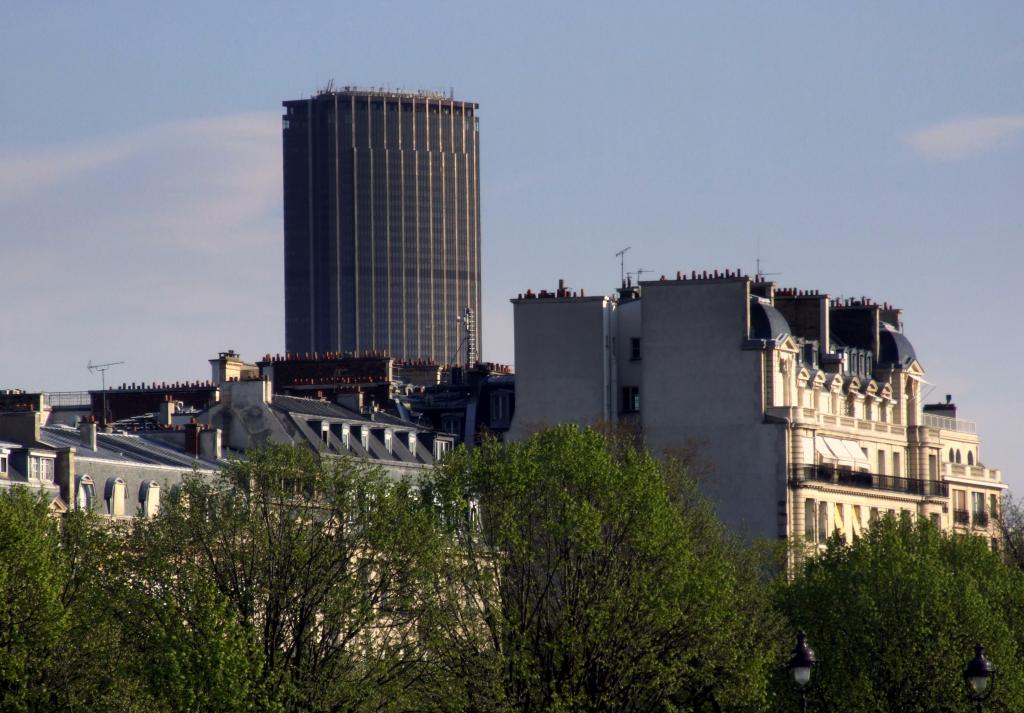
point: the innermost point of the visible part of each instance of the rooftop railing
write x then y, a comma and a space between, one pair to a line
949, 424
869, 481
67, 399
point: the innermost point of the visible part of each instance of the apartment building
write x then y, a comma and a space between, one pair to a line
804, 413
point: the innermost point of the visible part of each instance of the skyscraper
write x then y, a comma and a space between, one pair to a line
381, 223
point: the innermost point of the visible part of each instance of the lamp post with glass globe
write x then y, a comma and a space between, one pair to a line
800, 665
980, 677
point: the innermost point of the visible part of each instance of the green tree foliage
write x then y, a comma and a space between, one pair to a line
32, 618
323, 562
894, 617
581, 581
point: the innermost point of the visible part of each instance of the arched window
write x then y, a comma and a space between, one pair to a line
951, 456
958, 457
114, 493
970, 457
86, 493
149, 498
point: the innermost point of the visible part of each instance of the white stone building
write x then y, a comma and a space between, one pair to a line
807, 411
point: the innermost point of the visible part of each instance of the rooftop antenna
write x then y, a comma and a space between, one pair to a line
621, 254
759, 276
102, 369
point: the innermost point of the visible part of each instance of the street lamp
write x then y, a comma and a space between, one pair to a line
800, 665
980, 677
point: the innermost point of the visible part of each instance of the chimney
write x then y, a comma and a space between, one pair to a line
192, 430
165, 414
87, 429
210, 444
65, 474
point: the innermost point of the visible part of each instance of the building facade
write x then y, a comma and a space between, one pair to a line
803, 415
382, 224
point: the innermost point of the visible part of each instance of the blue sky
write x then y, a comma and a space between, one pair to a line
868, 149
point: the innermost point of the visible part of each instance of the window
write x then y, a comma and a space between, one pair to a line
951, 455
451, 423
412, 443
995, 544
149, 498
630, 399
40, 468
978, 515
810, 515
936, 520
344, 435
388, 436
958, 457
896, 464
500, 407
881, 462
634, 348
970, 457
822, 522
873, 516
364, 437
440, 448
993, 505
114, 494
86, 495
960, 514
3, 464
933, 466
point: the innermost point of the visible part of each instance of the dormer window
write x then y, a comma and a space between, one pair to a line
412, 443
364, 437
114, 493
388, 435
40, 468
149, 498
86, 495
4, 470
441, 447
344, 435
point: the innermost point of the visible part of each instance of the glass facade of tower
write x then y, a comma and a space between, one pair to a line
381, 223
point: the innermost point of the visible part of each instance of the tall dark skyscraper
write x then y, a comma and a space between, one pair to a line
381, 223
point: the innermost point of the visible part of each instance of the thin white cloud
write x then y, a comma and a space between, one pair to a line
967, 137
161, 246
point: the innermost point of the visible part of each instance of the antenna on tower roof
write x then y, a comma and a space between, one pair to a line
621, 254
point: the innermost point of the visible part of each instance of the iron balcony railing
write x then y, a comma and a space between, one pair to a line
962, 517
979, 518
871, 481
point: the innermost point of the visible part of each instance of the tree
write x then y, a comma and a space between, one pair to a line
32, 618
894, 616
580, 580
323, 562
1009, 519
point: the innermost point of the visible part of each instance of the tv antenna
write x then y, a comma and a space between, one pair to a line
102, 369
621, 254
639, 274
759, 276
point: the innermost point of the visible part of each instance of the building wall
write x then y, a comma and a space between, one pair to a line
564, 362
702, 391
381, 223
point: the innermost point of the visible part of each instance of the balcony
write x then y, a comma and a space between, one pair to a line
869, 481
962, 517
979, 519
946, 423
